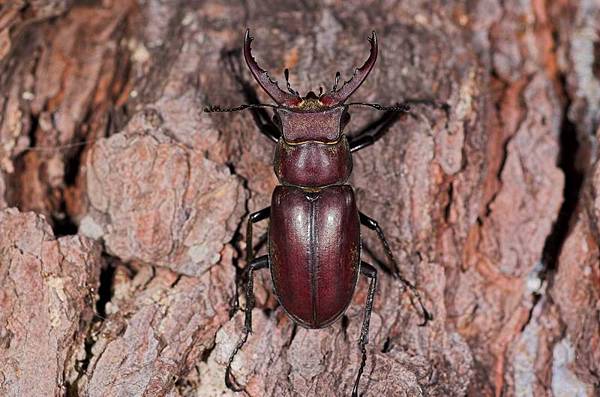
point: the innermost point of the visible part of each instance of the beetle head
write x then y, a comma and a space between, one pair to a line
311, 117
310, 102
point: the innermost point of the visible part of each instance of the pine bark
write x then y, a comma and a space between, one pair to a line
123, 205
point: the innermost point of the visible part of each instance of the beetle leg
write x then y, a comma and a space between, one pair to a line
373, 131
252, 219
373, 225
371, 273
257, 264
265, 125
377, 129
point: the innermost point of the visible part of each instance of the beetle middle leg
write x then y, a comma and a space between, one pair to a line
252, 219
371, 273
373, 225
256, 264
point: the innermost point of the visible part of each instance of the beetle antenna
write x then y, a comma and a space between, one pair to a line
338, 75
219, 109
286, 74
397, 108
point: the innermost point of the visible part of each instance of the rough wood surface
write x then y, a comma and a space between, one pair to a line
123, 205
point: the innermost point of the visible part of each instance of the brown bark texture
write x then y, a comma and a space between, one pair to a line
123, 205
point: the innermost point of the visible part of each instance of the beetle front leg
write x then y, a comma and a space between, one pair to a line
371, 273
265, 125
257, 264
374, 131
377, 129
373, 225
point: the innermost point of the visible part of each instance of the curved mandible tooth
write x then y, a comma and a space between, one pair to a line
339, 95
263, 78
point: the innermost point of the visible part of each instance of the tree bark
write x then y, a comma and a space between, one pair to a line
123, 205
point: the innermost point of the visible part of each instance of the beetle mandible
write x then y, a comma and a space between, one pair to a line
314, 242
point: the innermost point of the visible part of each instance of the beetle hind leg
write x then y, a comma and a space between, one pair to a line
373, 225
256, 264
371, 273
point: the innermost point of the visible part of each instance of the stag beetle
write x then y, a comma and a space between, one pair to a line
314, 242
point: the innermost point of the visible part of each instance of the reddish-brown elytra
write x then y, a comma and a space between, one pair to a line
314, 230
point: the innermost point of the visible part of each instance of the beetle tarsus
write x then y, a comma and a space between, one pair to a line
257, 264
371, 273
363, 361
230, 380
415, 294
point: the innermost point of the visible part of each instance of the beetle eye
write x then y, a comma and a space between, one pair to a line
277, 120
